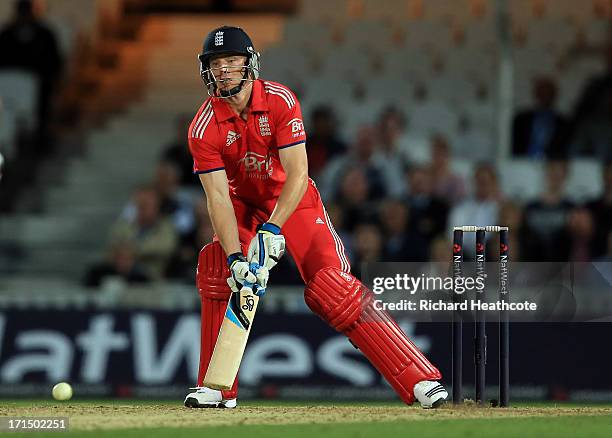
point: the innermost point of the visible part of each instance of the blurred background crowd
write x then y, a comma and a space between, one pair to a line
401, 100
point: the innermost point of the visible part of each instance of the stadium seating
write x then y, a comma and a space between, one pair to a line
91, 191
391, 54
584, 180
369, 34
522, 179
408, 63
431, 116
477, 144
435, 45
551, 34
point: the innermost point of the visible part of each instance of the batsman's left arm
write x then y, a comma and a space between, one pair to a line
268, 245
295, 164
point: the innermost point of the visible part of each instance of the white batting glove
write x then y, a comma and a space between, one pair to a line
235, 287
240, 270
256, 288
246, 274
262, 274
267, 247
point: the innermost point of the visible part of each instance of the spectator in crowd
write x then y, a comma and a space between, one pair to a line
481, 209
401, 244
175, 203
447, 185
595, 95
185, 258
601, 210
368, 246
154, 236
440, 249
592, 124
389, 156
592, 136
428, 214
580, 228
360, 155
540, 131
511, 216
121, 264
545, 223
27, 43
336, 216
177, 152
324, 142
354, 198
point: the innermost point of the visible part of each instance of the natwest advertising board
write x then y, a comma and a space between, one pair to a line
156, 354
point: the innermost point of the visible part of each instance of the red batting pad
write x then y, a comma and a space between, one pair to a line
347, 305
211, 280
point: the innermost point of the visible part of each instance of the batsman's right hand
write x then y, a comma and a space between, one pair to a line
267, 247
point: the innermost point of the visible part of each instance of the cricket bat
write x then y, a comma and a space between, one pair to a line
232, 339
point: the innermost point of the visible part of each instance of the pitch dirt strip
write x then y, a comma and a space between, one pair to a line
100, 416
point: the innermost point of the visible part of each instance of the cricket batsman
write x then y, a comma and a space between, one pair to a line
249, 150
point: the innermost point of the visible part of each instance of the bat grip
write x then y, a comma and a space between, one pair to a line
253, 288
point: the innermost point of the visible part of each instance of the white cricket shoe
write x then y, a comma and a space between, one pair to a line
204, 397
430, 394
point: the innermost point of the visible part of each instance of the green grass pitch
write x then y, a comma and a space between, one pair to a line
136, 418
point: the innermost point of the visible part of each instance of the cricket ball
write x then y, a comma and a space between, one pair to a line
62, 391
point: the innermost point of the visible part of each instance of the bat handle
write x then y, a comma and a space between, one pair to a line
253, 288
